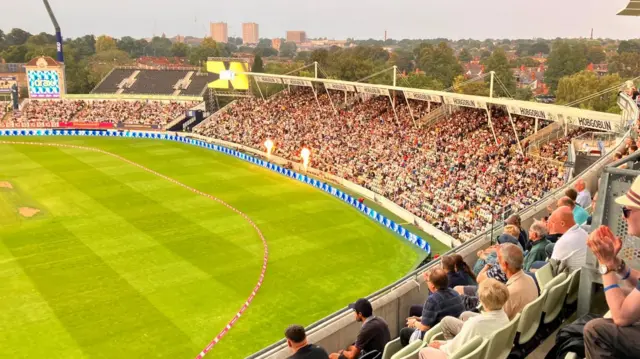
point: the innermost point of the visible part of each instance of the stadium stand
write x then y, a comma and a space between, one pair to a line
160, 81
111, 111
448, 161
539, 321
451, 173
111, 83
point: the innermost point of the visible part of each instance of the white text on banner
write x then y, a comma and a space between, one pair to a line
373, 90
267, 79
339, 87
422, 96
295, 82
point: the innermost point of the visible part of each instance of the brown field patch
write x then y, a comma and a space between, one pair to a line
5, 184
28, 212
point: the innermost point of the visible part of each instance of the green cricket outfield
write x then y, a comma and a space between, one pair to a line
100, 258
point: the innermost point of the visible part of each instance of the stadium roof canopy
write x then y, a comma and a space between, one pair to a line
557, 113
633, 9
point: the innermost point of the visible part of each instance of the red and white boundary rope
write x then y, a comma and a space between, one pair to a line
246, 304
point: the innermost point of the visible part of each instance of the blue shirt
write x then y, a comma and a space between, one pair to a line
444, 302
580, 215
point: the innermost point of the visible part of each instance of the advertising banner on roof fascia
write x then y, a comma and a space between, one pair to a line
339, 87
532, 112
295, 82
373, 90
422, 96
597, 124
267, 79
455, 101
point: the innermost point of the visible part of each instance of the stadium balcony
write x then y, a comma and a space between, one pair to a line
530, 334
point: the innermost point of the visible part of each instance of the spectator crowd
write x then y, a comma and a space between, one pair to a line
451, 173
111, 111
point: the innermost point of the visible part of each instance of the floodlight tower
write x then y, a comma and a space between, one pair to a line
60, 55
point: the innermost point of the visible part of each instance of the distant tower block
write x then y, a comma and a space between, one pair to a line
385, 35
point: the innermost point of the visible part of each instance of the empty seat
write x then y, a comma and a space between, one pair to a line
391, 348
501, 342
556, 293
474, 349
574, 285
530, 319
544, 275
411, 350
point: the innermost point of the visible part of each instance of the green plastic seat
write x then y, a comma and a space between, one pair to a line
501, 341
574, 285
530, 318
411, 350
544, 275
556, 294
474, 349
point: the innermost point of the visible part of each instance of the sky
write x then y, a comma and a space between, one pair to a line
335, 19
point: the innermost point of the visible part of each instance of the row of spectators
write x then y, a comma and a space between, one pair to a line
452, 173
112, 111
467, 304
558, 149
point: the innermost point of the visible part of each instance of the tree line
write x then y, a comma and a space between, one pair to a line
430, 63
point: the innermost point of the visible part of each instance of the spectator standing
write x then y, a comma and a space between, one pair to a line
538, 237
584, 196
617, 337
301, 349
493, 296
443, 301
373, 335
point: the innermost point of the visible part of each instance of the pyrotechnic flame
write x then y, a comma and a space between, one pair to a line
305, 154
269, 145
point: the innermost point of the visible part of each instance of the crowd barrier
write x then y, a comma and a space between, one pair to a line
382, 220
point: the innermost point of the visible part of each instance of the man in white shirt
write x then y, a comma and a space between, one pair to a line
572, 246
584, 196
493, 295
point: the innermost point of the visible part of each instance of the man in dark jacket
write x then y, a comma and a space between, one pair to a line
538, 236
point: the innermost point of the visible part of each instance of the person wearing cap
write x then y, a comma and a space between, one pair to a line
373, 336
301, 349
617, 337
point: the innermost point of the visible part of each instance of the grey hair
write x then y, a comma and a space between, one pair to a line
539, 228
512, 255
